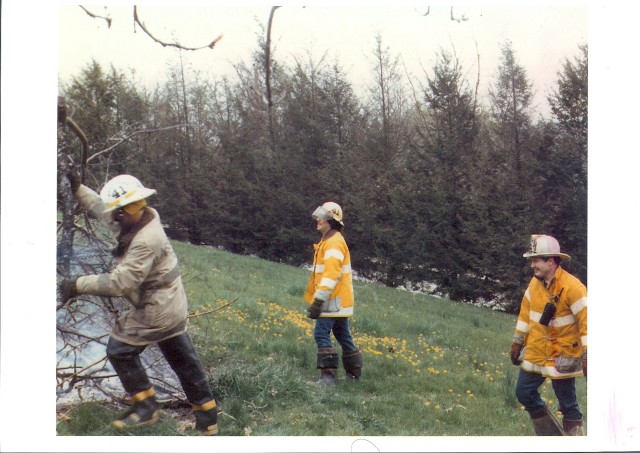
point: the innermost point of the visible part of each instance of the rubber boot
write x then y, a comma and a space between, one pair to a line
206, 418
328, 376
544, 422
144, 411
573, 427
328, 365
183, 359
352, 362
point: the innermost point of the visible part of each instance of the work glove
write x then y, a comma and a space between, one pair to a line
584, 362
68, 289
514, 355
74, 180
315, 309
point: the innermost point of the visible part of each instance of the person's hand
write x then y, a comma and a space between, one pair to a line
315, 309
68, 289
74, 180
514, 355
584, 363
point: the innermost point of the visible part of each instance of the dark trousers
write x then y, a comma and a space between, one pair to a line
340, 329
565, 390
179, 353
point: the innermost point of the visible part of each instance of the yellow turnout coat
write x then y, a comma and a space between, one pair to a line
555, 350
330, 279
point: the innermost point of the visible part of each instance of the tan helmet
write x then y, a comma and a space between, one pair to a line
543, 245
123, 190
328, 211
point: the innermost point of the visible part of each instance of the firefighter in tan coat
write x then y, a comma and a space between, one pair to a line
147, 275
550, 339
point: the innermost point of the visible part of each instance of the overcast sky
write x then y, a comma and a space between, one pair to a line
542, 37
30, 58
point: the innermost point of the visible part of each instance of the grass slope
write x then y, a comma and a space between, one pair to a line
432, 367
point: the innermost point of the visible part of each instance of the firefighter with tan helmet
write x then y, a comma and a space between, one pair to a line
329, 294
148, 276
550, 339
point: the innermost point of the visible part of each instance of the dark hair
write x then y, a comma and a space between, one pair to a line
335, 225
556, 259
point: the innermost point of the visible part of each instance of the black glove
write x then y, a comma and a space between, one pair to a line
68, 289
584, 363
514, 355
315, 309
74, 180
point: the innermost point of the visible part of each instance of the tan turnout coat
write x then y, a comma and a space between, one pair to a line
147, 275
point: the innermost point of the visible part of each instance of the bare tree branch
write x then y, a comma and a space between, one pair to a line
462, 18
136, 20
416, 100
95, 16
80, 334
77, 374
195, 315
128, 137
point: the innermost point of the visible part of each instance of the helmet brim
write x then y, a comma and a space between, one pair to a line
322, 213
139, 194
562, 256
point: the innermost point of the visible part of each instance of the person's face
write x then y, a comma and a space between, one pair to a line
123, 218
322, 225
542, 268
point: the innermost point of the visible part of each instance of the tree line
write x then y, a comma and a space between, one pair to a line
435, 185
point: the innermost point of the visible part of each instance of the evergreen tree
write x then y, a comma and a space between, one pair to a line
451, 236
566, 211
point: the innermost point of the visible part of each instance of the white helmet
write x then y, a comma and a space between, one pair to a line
328, 211
543, 245
123, 190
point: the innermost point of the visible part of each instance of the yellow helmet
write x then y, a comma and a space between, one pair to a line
328, 211
123, 190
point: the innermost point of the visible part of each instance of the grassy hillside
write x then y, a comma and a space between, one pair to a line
433, 367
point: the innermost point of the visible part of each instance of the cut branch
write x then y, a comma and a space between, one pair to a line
95, 16
136, 20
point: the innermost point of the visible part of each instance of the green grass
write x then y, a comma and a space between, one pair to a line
433, 367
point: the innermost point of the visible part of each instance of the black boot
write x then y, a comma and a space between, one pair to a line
143, 412
328, 365
183, 359
352, 362
125, 359
206, 418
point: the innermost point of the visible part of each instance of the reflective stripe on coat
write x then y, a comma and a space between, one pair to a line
147, 276
554, 350
330, 280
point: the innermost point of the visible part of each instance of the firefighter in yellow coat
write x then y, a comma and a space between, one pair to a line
550, 339
330, 295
